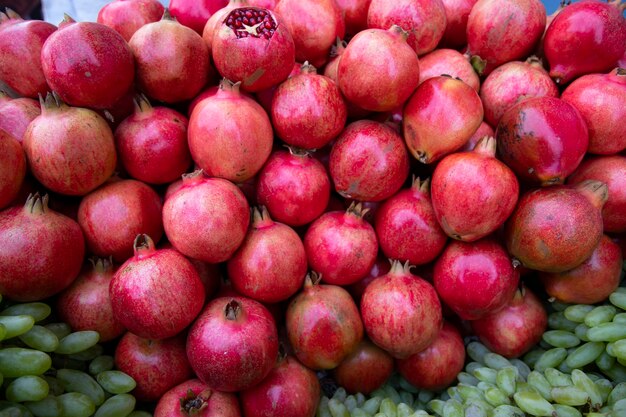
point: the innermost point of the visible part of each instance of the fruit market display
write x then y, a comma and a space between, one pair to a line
329, 208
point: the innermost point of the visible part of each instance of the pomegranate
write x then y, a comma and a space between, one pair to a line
542, 139
20, 53
323, 324
380, 268
290, 389
265, 97
555, 229
127, 16
194, 398
592, 281
87, 64
449, 62
424, 20
113, 215
270, 264
41, 253
314, 26
483, 130
12, 168
156, 293
85, 305
475, 279
341, 246
611, 170
407, 228
586, 37
217, 18
378, 71
193, 13
246, 350
599, 98
355, 14
512, 83
436, 367
368, 161
457, 14
155, 365
266, 4
401, 312
365, 370
499, 31
308, 110
230, 135
16, 115
514, 329
440, 118
294, 187
253, 46
473, 193
172, 60
206, 93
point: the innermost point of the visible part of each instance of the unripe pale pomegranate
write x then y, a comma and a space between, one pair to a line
449, 62
127, 16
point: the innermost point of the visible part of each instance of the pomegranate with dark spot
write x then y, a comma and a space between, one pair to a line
127, 16
194, 398
12, 168
365, 370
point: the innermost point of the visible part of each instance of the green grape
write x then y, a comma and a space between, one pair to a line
59, 329
358, 412
403, 410
551, 359
532, 356
340, 394
620, 318
101, 363
388, 407
605, 361
27, 388
577, 312
75, 404
486, 374
117, 382
466, 378
585, 354
619, 348
508, 411
436, 406
561, 338
496, 397
607, 332
477, 351
495, 361
16, 362
583, 382
76, 381
570, 396
16, 325
38, 311
453, 408
40, 338
119, 405
47, 407
581, 332
522, 368
557, 378
506, 380
538, 381
11, 409
533, 404
88, 354
77, 342
372, 405
618, 393
618, 299
468, 391
599, 315
323, 410
566, 411
558, 321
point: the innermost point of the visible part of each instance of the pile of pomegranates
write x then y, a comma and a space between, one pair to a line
267, 189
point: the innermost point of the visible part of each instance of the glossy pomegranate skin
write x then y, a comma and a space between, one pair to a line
294, 187
87, 64
475, 279
378, 71
437, 366
450, 62
365, 370
440, 117
172, 60
380, 268
586, 37
16, 115
85, 305
12, 168
599, 98
193, 13
407, 228
368, 161
483, 130
202, 402
20, 56
291, 389
592, 281
542, 140
512, 83
127, 16
246, 351
457, 14
611, 170
355, 14
425, 20
42, 251
156, 365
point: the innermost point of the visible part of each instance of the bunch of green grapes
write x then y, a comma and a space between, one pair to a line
46, 370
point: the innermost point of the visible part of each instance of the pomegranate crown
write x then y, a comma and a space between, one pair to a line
192, 404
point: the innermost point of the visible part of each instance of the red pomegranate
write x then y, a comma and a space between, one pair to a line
16, 115
314, 26
355, 14
592, 281
542, 139
368, 161
87, 64
440, 118
611, 170
555, 229
195, 13
206, 93
473, 193
265, 97
401, 312
12, 168
217, 18
457, 14
253, 46
512, 83
156, 293
323, 324
172, 60
194, 398
586, 37
407, 228
85, 305
291, 389
483, 130
378, 70
436, 367
294, 187
127, 16
599, 98
246, 350
380, 268
365, 370
448, 62
230, 135
42, 251
270, 265
20, 53
424, 20
266, 4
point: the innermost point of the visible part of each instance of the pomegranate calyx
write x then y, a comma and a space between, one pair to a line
418, 185
620, 71
168, 16
36, 204
356, 209
101, 265
52, 102
399, 268
142, 104
516, 263
9, 14
421, 156
67, 19
228, 85
535, 61
192, 404
307, 68
397, 30
232, 310
261, 217
595, 191
295, 151
196, 176
486, 146
478, 64
312, 279
143, 244
338, 47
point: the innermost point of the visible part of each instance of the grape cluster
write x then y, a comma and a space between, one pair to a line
46, 370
